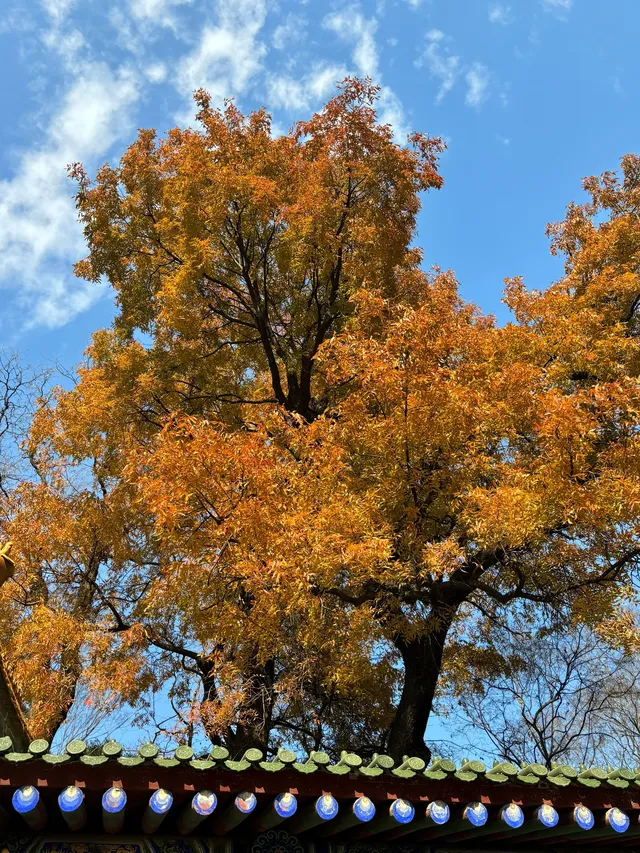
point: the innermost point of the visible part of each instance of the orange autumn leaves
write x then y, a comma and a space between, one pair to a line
295, 456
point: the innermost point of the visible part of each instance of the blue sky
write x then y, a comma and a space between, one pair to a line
530, 95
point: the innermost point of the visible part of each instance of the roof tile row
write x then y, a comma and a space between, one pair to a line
440, 768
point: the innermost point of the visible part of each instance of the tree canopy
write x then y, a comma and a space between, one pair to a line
297, 468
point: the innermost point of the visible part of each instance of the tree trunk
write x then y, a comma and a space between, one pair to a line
422, 659
12, 722
254, 714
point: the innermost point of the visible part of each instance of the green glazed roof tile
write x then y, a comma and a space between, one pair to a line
201, 764
94, 760
593, 773
378, 765
272, 766
183, 753
237, 765
18, 757
371, 772
618, 783
56, 759
506, 768
535, 770
166, 762
218, 753
39, 747
621, 773
148, 750
348, 761
476, 767
307, 767
436, 775
76, 748
338, 769
130, 760
409, 768
589, 781
560, 780
465, 775
444, 765
382, 762
286, 756
526, 778
498, 777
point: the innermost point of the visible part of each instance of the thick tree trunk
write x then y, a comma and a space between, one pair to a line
254, 715
422, 659
12, 722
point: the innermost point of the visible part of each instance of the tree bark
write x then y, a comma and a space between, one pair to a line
12, 722
422, 659
255, 713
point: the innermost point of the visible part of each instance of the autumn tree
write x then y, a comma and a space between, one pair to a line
234, 299
20, 386
315, 460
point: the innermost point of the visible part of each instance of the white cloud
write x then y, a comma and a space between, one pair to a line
296, 93
156, 72
57, 9
353, 27
228, 56
293, 29
477, 79
447, 68
500, 13
39, 234
65, 44
440, 63
391, 111
414, 3
158, 12
559, 8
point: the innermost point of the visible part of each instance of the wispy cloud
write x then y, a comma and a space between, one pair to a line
353, 27
296, 93
477, 79
447, 68
39, 236
500, 13
559, 8
227, 56
57, 10
440, 62
293, 29
157, 12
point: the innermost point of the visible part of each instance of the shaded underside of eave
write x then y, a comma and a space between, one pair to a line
183, 780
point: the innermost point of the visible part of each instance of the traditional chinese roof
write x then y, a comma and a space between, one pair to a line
316, 799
